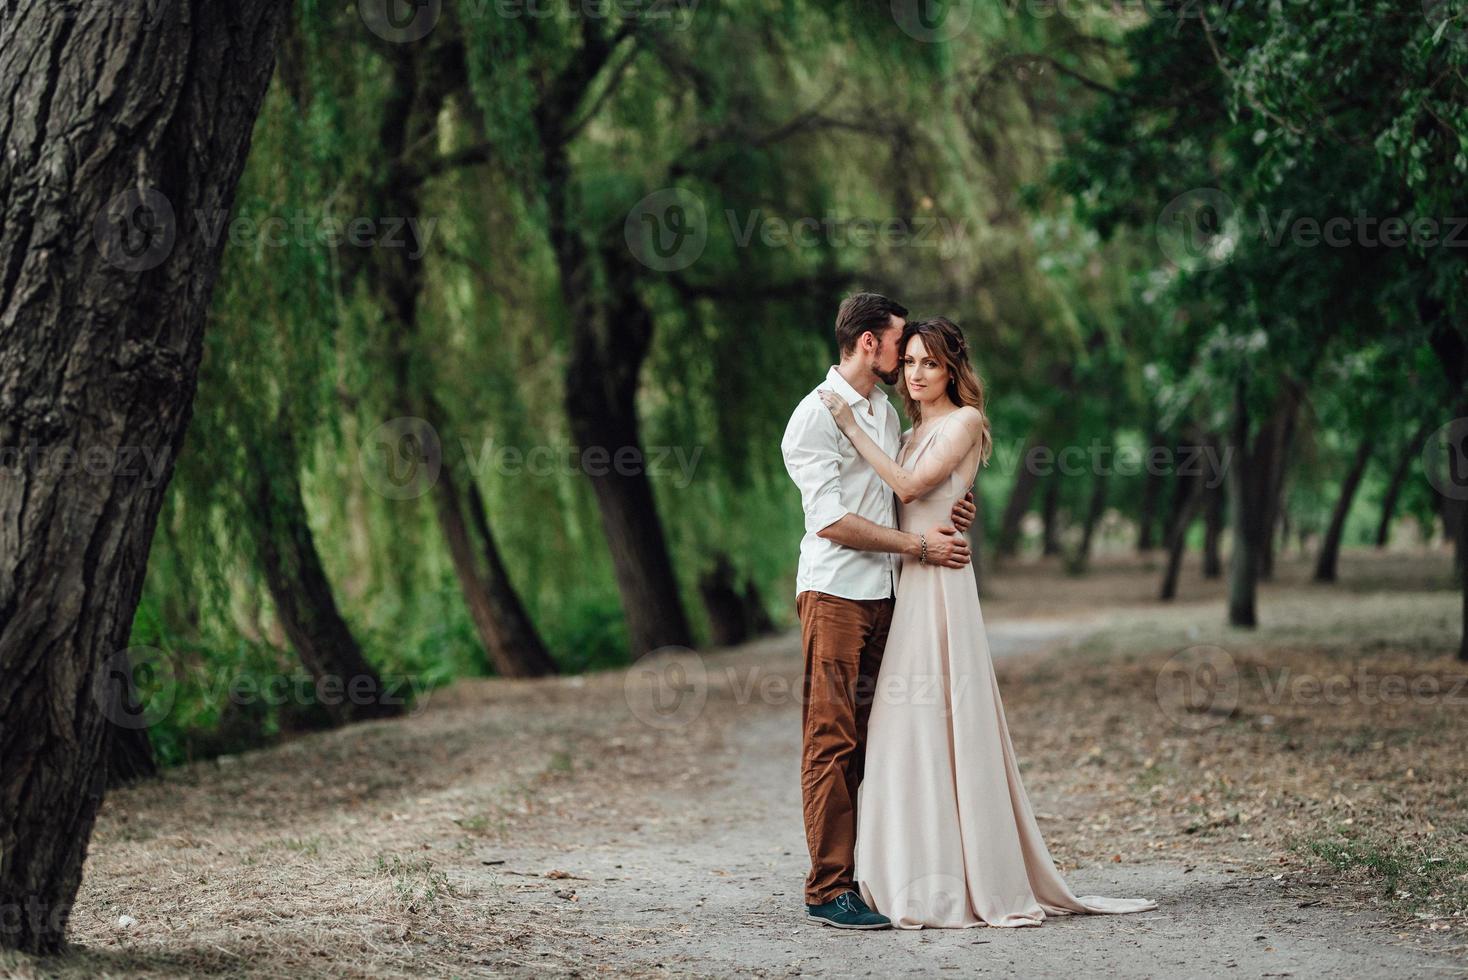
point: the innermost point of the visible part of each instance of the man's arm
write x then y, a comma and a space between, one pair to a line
945, 546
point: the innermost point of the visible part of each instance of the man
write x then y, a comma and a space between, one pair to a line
845, 590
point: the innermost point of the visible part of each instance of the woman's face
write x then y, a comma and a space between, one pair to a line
926, 376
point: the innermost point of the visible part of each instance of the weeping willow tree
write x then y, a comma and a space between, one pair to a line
524, 328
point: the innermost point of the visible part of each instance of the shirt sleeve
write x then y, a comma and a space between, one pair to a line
813, 460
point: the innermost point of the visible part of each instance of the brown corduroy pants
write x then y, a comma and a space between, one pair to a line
843, 641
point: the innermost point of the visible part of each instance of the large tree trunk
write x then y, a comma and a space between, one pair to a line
1400, 472
1449, 343
125, 131
1025, 482
350, 688
611, 332
1330, 545
423, 78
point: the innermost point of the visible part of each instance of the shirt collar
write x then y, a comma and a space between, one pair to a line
844, 389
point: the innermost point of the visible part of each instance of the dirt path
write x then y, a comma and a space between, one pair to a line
643, 823
717, 886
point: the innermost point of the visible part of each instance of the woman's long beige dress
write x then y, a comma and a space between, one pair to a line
945, 834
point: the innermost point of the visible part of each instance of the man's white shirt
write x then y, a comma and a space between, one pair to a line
834, 481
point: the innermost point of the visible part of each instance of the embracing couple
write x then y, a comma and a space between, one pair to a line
915, 814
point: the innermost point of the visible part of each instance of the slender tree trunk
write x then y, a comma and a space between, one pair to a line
422, 79
124, 135
1094, 510
1330, 545
1151, 490
1245, 506
1051, 512
1281, 427
1410, 452
1214, 514
1026, 480
350, 689
1450, 344
1188, 497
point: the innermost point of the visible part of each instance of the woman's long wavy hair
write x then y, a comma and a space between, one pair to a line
945, 341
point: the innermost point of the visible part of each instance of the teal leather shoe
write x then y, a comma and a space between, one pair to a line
847, 911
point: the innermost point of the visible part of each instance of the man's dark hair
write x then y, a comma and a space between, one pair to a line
861, 312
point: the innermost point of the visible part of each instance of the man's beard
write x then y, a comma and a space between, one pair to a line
889, 377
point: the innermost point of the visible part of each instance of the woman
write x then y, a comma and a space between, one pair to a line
945, 833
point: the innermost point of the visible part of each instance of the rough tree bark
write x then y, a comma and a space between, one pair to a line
126, 128
350, 688
611, 333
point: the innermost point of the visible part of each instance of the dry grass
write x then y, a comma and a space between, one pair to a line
1332, 754
364, 852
